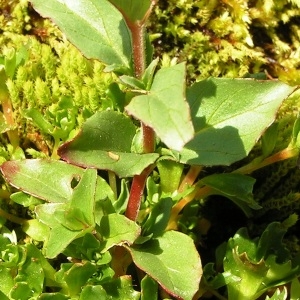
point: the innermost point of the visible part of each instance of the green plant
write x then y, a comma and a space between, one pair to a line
143, 139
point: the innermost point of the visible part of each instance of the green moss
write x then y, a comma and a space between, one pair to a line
230, 38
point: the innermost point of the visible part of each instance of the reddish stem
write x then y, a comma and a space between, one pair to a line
136, 193
139, 181
148, 139
138, 47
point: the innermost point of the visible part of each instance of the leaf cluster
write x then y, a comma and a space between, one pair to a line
137, 157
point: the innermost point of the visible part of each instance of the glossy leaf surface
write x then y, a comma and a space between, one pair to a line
105, 143
229, 116
165, 108
175, 267
95, 27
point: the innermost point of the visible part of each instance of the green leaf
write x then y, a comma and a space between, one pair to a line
83, 197
295, 289
149, 74
53, 296
105, 143
261, 264
173, 261
158, 218
121, 288
7, 281
132, 82
25, 199
96, 292
36, 230
269, 139
95, 27
50, 180
229, 116
21, 291
77, 276
117, 230
170, 173
149, 289
165, 109
71, 220
133, 10
236, 187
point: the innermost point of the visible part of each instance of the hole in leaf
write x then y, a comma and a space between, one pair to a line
75, 180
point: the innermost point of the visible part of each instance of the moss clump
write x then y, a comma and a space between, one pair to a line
231, 38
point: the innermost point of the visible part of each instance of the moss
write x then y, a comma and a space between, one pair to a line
230, 38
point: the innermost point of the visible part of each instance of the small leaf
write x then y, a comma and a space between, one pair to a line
78, 275
132, 82
158, 218
173, 261
36, 230
229, 116
165, 109
149, 288
149, 74
236, 187
121, 288
170, 173
269, 139
95, 27
105, 143
46, 179
93, 292
117, 230
25, 199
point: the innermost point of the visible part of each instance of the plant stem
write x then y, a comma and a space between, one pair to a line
138, 47
177, 208
139, 181
279, 156
11, 217
190, 177
136, 194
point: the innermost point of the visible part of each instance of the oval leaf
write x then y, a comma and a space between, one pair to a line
50, 180
105, 143
116, 229
165, 109
95, 27
229, 116
173, 261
